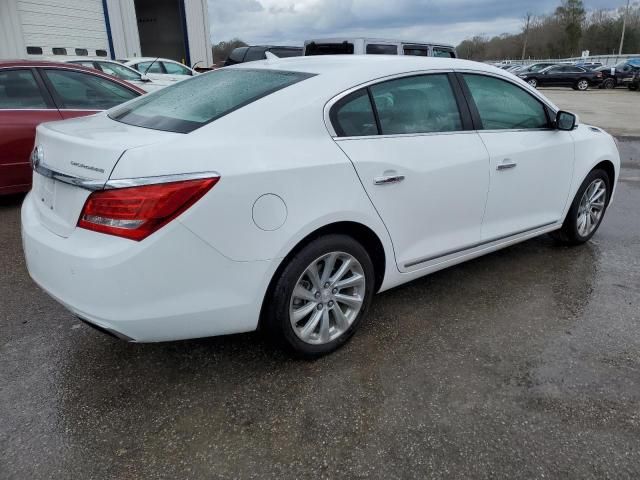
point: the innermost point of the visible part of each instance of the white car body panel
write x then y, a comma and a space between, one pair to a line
208, 271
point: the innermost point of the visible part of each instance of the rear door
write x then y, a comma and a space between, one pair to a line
79, 93
423, 167
24, 103
531, 164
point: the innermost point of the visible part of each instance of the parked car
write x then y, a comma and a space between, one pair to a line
123, 72
160, 69
563, 76
620, 74
259, 52
170, 222
32, 92
376, 46
535, 67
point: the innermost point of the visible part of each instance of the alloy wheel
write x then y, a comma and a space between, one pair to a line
591, 207
583, 85
327, 298
533, 82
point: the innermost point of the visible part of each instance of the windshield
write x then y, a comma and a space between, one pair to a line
120, 71
192, 103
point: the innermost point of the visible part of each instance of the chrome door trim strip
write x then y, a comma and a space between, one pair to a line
413, 263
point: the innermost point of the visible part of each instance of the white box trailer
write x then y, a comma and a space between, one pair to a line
176, 29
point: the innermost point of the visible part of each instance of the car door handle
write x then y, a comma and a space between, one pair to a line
387, 179
506, 164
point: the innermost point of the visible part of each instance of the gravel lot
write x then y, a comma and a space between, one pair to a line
521, 364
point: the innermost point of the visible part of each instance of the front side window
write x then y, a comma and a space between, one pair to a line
419, 104
119, 71
176, 69
188, 105
353, 116
376, 49
443, 52
503, 105
19, 90
83, 91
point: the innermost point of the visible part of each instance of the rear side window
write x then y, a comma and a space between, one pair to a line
153, 67
443, 52
188, 105
420, 104
344, 48
77, 90
18, 90
502, 105
377, 49
353, 116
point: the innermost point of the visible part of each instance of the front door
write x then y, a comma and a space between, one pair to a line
531, 163
424, 169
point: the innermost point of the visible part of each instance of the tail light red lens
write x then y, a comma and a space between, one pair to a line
137, 212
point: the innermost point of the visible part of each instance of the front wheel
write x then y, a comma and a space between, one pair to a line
321, 296
582, 85
609, 83
587, 209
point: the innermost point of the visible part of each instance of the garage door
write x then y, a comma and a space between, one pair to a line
64, 24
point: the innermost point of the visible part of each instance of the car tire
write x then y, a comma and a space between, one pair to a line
609, 83
582, 85
571, 232
632, 87
288, 300
533, 82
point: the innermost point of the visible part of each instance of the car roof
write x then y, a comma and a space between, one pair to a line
65, 65
372, 39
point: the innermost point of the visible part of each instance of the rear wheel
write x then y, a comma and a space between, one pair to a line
533, 82
321, 296
587, 209
609, 83
582, 85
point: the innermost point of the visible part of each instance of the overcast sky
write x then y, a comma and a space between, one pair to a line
293, 21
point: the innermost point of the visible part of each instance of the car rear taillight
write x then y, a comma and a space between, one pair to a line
137, 212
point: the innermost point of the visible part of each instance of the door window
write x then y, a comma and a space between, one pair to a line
76, 90
443, 52
420, 104
176, 69
119, 71
502, 105
375, 49
19, 89
353, 116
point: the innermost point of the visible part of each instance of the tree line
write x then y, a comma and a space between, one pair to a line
566, 32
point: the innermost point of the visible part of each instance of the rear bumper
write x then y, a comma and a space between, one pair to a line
170, 286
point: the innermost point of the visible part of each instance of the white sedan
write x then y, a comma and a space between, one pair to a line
283, 194
160, 69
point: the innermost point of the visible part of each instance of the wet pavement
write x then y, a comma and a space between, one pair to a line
521, 364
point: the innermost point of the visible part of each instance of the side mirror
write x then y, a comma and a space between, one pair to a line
144, 78
565, 120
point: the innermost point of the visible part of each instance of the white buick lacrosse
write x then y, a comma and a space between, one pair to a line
283, 194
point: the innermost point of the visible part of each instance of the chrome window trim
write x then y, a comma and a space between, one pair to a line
525, 88
405, 135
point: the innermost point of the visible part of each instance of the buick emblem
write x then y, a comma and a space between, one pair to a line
37, 157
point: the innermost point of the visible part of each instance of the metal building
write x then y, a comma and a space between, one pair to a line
176, 29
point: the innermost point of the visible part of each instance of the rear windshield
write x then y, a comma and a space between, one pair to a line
190, 104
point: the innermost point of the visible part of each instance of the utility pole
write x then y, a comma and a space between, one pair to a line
624, 26
526, 34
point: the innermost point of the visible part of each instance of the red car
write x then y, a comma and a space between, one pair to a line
34, 92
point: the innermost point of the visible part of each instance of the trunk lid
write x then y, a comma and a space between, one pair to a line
86, 148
